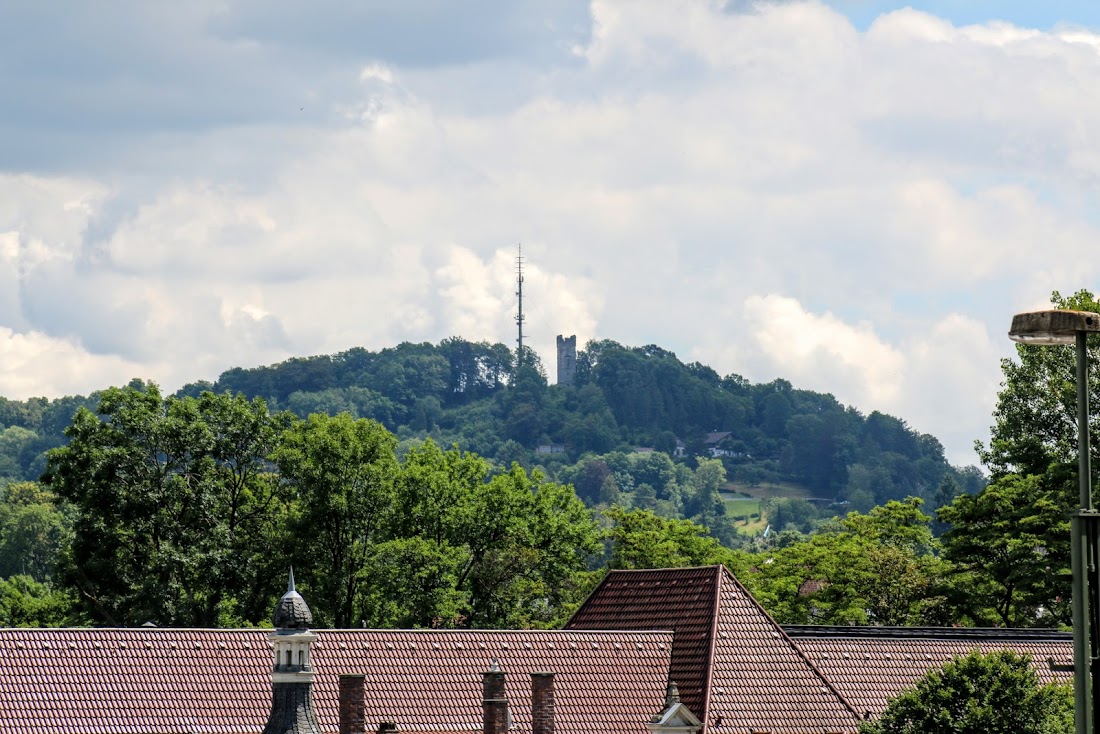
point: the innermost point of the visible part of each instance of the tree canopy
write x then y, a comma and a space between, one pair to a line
997, 693
474, 395
188, 510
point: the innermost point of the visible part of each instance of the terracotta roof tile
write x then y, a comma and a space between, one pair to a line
172, 681
735, 667
870, 665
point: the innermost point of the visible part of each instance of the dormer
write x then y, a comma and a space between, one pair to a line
675, 717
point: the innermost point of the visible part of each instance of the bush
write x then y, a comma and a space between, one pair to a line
997, 693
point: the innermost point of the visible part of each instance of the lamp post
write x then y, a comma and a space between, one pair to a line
1069, 327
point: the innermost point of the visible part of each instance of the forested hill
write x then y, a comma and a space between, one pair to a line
469, 394
463, 393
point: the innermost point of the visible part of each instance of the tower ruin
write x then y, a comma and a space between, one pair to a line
567, 359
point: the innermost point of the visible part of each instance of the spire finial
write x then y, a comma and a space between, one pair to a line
290, 587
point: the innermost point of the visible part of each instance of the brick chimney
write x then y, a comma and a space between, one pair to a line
352, 705
494, 703
542, 703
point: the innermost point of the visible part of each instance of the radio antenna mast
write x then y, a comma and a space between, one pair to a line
519, 313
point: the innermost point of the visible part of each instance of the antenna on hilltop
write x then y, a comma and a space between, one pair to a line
519, 313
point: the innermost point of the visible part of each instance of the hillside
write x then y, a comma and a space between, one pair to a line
467, 393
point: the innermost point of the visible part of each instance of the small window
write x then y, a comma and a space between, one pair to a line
288, 658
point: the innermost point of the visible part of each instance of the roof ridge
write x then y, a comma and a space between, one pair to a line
715, 605
923, 633
790, 643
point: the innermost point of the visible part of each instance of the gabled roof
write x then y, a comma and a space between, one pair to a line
172, 681
736, 668
870, 665
678, 599
716, 436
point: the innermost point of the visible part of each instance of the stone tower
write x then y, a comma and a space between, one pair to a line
291, 673
567, 359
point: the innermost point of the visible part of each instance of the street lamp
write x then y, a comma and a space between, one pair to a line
1068, 327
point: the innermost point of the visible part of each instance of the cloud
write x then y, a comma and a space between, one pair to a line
936, 372
233, 183
34, 364
823, 350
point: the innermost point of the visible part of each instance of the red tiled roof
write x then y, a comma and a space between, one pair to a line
870, 665
677, 599
760, 680
736, 669
171, 681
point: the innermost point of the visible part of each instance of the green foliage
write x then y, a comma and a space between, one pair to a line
898, 524
414, 583
33, 531
641, 539
175, 506
997, 693
867, 569
1035, 421
25, 602
187, 509
341, 472
791, 513
1008, 544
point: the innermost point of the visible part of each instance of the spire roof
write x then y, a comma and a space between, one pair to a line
292, 612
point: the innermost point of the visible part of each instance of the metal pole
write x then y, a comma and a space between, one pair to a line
1083, 468
1082, 649
1082, 653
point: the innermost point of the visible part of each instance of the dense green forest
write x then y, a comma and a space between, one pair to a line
186, 509
468, 394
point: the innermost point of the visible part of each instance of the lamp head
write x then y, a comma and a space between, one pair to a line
1058, 326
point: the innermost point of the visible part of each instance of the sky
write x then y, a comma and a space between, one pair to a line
854, 196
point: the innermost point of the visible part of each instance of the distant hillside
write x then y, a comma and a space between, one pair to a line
470, 394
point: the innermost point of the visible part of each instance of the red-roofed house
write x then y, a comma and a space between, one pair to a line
639, 637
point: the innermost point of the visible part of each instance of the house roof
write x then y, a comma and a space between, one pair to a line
171, 681
870, 665
736, 668
716, 436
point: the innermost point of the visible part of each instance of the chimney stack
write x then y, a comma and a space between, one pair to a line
542, 703
352, 705
494, 703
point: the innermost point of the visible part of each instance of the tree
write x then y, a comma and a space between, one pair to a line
878, 568
33, 531
526, 539
997, 693
842, 578
1035, 421
342, 473
1008, 544
590, 481
643, 539
706, 483
467, 550
176, 507
897, 523
25, 602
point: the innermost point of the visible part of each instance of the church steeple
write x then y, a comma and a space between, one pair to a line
291, 672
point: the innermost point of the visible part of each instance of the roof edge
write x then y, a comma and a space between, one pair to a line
715, 606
